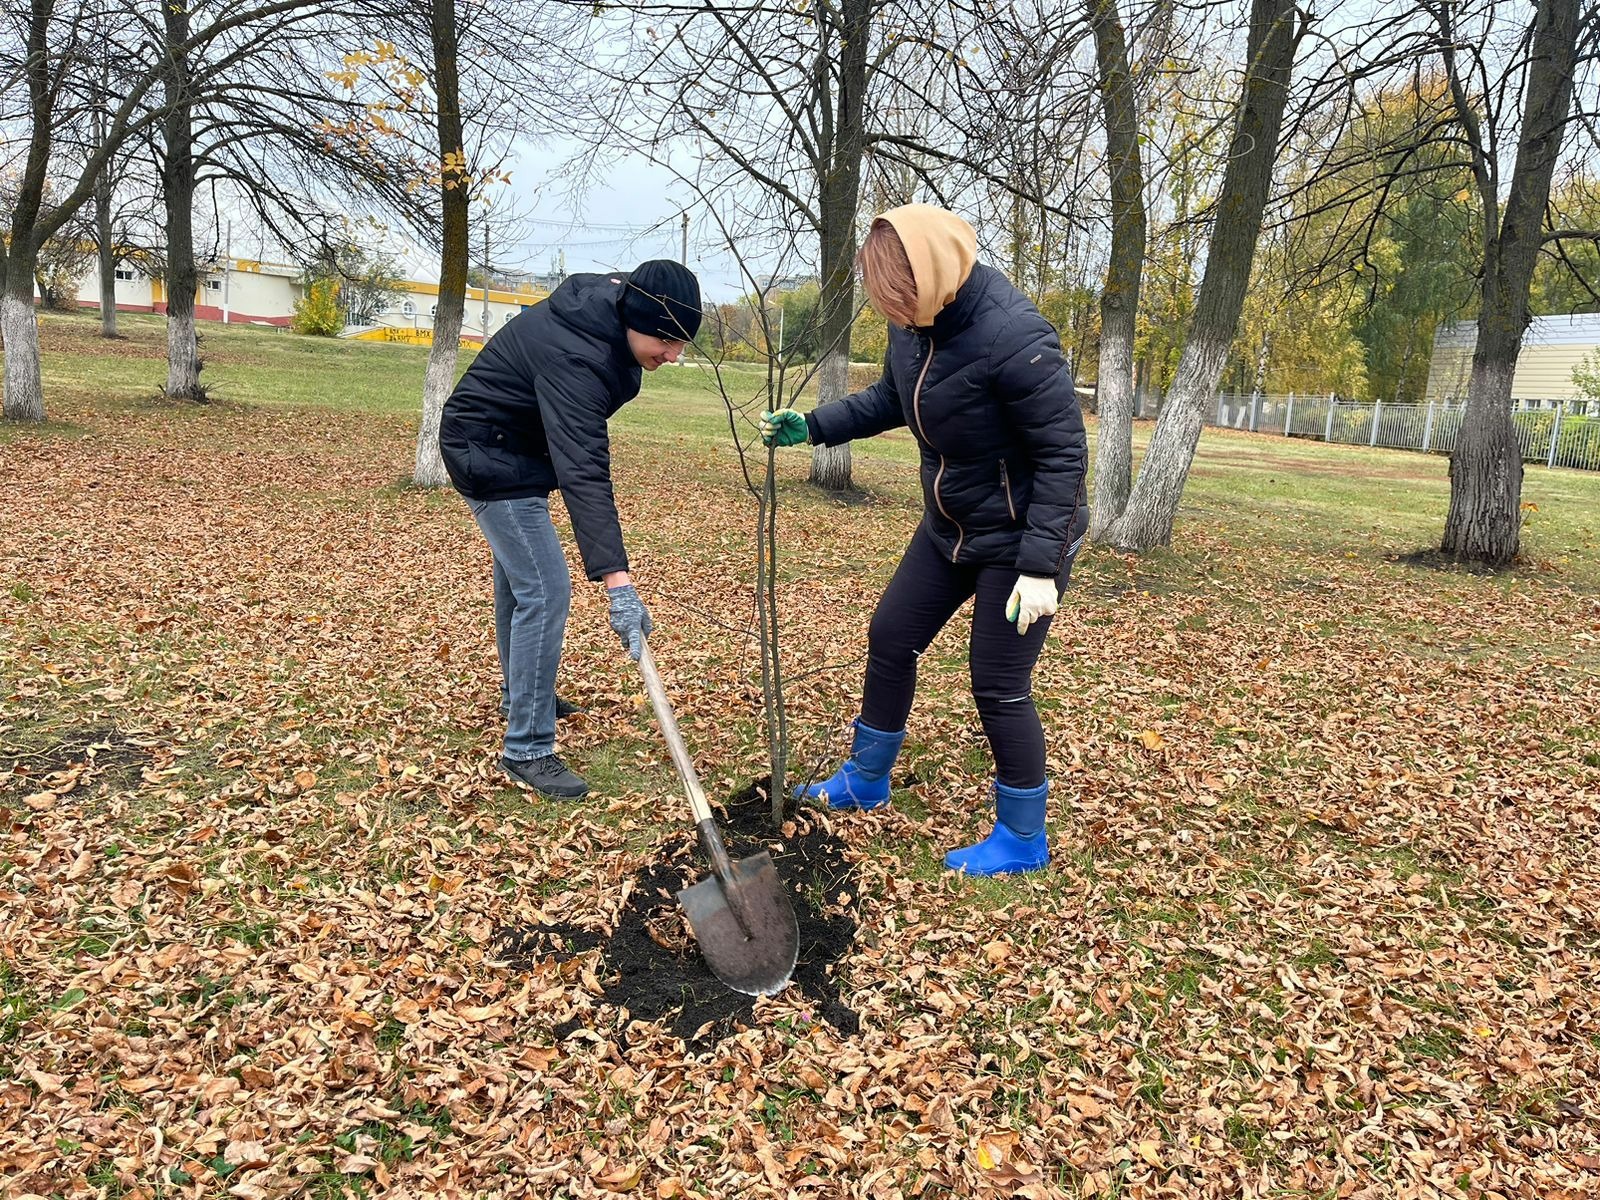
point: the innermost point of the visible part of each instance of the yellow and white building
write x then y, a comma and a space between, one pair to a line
1551, 348
242, 291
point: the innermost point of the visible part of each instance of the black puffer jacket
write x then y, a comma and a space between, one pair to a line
990, 401
529, 416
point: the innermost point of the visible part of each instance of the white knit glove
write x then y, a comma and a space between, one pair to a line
1031, 599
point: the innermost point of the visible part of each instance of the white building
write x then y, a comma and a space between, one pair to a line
242, 291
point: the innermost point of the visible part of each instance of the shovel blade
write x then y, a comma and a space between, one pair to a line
745, 926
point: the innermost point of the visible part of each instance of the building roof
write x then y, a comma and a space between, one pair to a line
1563, 329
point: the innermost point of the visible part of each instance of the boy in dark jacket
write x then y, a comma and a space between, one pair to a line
529, 417
977, 374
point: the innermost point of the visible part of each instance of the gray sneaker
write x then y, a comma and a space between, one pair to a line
547, 775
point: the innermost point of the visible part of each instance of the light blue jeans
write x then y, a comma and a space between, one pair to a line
532, 596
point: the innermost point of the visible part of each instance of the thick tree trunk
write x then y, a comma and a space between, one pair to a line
441, 375
23, 399
1246, 183
177, 187
840, 202
1485, 518
437, 384
1484, 522
24, 387
1119, 301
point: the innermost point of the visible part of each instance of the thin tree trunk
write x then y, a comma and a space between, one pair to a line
107, 257
177, 187
1246, 183
455, 198
840, 203
24, 387
779, 801
1484, 523
1119, 301
106, 252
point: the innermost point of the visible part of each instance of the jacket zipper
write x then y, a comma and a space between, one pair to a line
916, 409
1005, 482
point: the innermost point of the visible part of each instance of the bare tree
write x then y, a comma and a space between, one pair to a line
780, 379
1485, 516
177, 192
58, 53
453, 132
1274, 37
787, 110
261, 132
1119, 301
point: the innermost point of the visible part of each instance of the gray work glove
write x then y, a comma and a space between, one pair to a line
629, 619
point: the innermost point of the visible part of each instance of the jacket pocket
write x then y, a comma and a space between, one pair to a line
493, 467
1005, 484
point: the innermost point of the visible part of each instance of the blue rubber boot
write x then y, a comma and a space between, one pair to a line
1018, 843
863, 782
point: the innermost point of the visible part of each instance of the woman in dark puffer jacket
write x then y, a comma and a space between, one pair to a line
977, 375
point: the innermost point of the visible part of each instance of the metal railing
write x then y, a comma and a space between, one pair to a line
1555, 433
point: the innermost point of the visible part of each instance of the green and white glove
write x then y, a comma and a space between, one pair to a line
785, 428
1031, 600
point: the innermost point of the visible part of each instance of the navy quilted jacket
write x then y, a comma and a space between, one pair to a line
989, 399
530, 414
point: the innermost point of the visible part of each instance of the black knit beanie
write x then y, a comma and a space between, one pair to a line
662, 299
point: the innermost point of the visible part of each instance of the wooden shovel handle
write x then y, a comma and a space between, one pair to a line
669, 730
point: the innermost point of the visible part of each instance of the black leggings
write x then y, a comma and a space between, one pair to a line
924, 594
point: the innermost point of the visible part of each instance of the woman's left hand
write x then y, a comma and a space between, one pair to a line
1031, 599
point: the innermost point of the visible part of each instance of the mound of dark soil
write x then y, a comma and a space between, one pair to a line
651, 964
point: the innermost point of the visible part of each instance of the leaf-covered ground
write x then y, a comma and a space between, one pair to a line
1321, 921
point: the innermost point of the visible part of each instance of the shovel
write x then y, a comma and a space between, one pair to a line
740, 914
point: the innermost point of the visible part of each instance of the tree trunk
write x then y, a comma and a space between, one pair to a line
107, 258
24, 388
1484, 523
455, 198
23, 399
840, 202
177, 187
1246, 183
1119, 301
106, 250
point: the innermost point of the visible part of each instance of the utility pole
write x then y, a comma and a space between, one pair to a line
684, 257
485, 279
227, 273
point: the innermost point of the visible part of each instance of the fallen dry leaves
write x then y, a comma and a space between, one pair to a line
1321, 921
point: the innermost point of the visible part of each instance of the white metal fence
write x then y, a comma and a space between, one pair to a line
1555, 433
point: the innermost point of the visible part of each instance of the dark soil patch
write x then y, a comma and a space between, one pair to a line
652, 967
1437, 560
106, 750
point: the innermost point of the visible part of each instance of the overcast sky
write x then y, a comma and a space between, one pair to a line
634, 216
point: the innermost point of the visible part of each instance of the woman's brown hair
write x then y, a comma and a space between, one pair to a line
886, 274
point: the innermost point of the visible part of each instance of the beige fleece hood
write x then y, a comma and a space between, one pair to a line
942, 249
